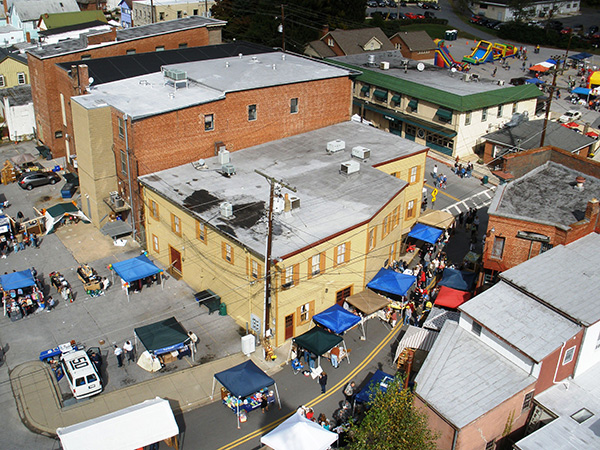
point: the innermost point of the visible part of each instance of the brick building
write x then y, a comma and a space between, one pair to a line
416, 45
332, 234
51, 107
543, 207
478, 383
190, 111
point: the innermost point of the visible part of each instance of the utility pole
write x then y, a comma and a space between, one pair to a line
548, 106
282, 28
268, 256
151, 11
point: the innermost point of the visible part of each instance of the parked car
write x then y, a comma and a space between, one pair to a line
391, 3
570, 116
429, 15
475, 19
372, 4
492, 23
424, 5
392, 16
29, 180
592, 30
435, 6
578, 28
555, 25
403, 4
401, 16
420, 16
410, 15
566, 30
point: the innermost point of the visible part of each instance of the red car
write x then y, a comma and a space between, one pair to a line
420, 16
566, 30
410, 15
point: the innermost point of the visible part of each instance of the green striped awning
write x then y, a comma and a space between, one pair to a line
413, 104
396, 98
381, 95
444, 114
365, 89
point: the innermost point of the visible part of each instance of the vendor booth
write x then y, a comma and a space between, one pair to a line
392, 282
379, 381
130, 428
20, 294
319, 342
425, 233
451, 298
299, 433
437, 218
165, 340
62, 213
6, 230
244, 387
457, 279
337, 319
93, 283
136, 272
368, 302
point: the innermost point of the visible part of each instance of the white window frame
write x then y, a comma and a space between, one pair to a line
289, 276
305, 312
341, 254
254, 269
413, 174
484, 114
569, 355
468, 118
209, 122
155, 243
294, 105
228, 252
315, 264
22, 78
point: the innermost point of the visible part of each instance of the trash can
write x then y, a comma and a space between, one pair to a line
485, 179
222, 309
67, 190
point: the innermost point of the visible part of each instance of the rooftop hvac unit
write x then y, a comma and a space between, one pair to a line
223, 156
294, 202
335, 146
226, 210
384, 65
228, 169
175, 74
349, 167
361, 152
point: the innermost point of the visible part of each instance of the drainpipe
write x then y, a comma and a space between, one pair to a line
558, 362
127, 151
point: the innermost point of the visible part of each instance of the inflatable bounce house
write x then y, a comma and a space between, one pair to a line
487, 52
443, 58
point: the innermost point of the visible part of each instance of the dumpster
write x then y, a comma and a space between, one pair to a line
68, 190
209, 299
222, 309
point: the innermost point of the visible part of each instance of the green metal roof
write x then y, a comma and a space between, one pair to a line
60, 20
437, 96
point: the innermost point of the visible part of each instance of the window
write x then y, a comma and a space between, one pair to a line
582, 415
498, 247
2, 82
201, 231
209, 122
123, 163
341, 253
183, 44
251, 112
397, 213
255, 269
175, 224
160, 48
545, 247
410, 209
514, 109
569, 354
305, 312
22, 78
385, 228
290, 277
484, 114
500, 110
121, 127
86, 57
342, 295
154, 210
413, 175
131, 51
58, 134
490, 445
195, 12
161, 16
155, 246
372, 239
227, 252
179, 14
316, 265
293, 106
476, 328
413, 105
468, 118
527, 401
330, 42
393, 251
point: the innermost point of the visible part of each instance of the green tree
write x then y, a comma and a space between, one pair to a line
392, 423
522, 10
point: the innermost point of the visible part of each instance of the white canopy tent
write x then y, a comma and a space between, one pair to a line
299, 433
128, 429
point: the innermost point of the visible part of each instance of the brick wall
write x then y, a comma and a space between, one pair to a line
45, 75
556, 358
438, 425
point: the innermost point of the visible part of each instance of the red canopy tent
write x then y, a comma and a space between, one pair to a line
451, 298
571, 125
539, 68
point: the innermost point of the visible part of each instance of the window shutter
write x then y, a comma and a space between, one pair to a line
232, 255
296, 274
223, 251
298, 316
335, 255
309, 268
247, 266
311, 309
347, 255
418, 178
322, 263
259, 271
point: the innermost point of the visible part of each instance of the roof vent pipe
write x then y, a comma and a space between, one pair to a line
579, 180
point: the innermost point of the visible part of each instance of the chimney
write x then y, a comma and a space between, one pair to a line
579, 180
83, 78
324, 30
5, 2
287, 204
592, 210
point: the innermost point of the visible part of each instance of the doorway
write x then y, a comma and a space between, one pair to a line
175, 263
289, 326
342, 295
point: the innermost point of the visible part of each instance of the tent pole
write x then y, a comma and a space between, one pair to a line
212, 394
362, 324
238, 413
347, 354
162, 286
278, 399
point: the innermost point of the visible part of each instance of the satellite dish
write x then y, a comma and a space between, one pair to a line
453, 70
420, 67
90, 80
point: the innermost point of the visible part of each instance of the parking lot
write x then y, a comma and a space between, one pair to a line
103, 320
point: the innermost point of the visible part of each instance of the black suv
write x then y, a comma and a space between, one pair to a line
29, 180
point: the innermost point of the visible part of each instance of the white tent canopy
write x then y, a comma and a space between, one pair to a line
299, 433
128, 429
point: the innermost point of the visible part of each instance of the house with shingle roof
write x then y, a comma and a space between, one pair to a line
25, 14
416, 45
348, 42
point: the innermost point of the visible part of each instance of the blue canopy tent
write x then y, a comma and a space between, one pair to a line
242, 381
456, 279
378, 381
338, 320
581, 91
135, 269
392, 282
17, 280
534, 81
580, 56
425, 233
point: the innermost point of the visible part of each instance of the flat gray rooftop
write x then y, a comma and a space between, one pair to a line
566, 277
463, 378
520, 320
329, 201
546, 195
73, 45
433, 76
18, 95
209, 80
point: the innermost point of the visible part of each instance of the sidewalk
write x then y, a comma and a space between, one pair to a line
479, 170
39, 405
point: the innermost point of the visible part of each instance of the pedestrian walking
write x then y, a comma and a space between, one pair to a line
129, 351
494, 72
20, 244
349, 391
264, 403
119, 355
51, 303
323, 382
34, 240
435, 171
194, 339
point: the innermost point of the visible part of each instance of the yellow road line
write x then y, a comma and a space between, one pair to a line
441, 191
321, 397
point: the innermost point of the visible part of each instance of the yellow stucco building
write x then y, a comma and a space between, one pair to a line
346, 217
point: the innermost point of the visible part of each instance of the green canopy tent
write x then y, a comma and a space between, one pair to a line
163, 336
55, 214
318, 341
